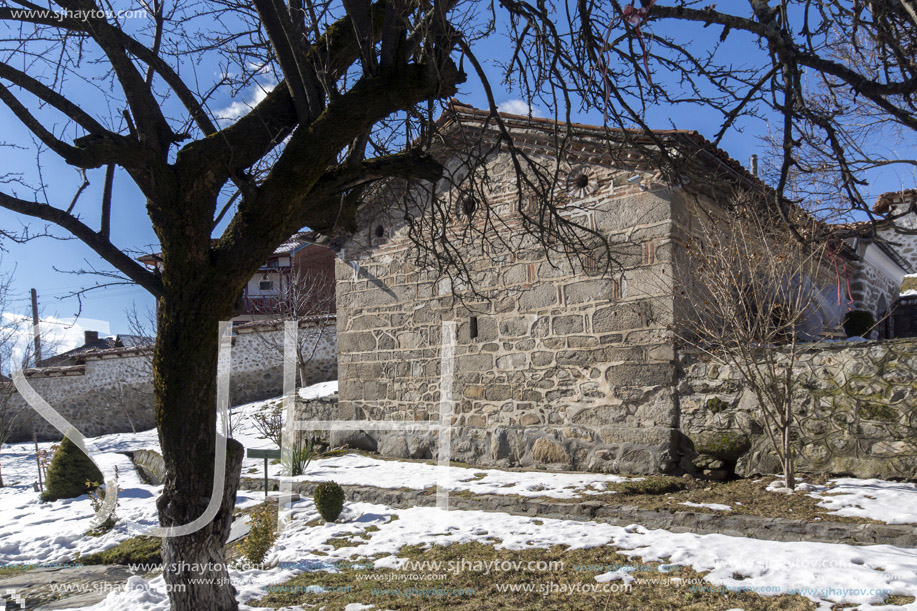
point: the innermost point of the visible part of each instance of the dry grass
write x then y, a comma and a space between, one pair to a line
664, 493
747, 497
481, 591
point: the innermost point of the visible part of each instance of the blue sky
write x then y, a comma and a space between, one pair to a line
42, 263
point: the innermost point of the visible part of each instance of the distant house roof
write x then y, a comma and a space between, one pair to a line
296, 242
885, 201
94, 343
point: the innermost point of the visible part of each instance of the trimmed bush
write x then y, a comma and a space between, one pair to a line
263, 533
329, 500
71, 473
858, 323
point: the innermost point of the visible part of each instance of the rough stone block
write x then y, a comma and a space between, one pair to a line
547, 451
538, 297
649, 374
475, 362
514, 327
568, 325
589, 291
616, 318
357, 341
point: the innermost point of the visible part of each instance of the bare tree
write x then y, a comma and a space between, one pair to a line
309, 299
752, 300
359, 85
16, 350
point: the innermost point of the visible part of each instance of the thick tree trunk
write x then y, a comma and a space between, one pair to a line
184, 373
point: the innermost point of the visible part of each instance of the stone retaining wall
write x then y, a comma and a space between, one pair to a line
150, 465
856, 405
111, 391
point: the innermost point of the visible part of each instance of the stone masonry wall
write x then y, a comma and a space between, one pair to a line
872, 290
856, 404
111, 392
568, 368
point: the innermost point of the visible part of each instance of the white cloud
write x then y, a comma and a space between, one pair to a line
240, 107
517, 107
57, 334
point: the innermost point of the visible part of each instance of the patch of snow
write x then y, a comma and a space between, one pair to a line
139, 594
31, 531
822, 572
780, 486
713, 506
54, 532
889, 502
622, 575
359, 470
317, 391
819, 571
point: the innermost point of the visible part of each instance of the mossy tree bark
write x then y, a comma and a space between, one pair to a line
185, 368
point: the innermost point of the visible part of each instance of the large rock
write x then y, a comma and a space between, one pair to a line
549, 452
726, 446
358, 440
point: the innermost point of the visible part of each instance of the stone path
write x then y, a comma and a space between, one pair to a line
62, 588
72, 587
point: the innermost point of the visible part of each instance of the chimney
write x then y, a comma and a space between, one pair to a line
90, 336
753, 165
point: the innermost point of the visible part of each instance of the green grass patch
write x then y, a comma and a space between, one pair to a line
9, 571
137, 550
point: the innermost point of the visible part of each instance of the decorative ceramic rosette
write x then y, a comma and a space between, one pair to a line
581, 182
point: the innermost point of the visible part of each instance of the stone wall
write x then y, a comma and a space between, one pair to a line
905, 243
111, 391
555, 365
873, 291
856, 404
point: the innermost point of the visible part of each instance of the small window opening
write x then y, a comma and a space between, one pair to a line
380, 231
473, 327
266, 285
468, 205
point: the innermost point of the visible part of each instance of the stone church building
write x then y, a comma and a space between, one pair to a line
555, 362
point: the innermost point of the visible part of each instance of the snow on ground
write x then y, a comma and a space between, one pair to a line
877, 499
820, 571
889, 502
31, 531
713, 506
316, 391
356, 469
35, 532
359, 470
